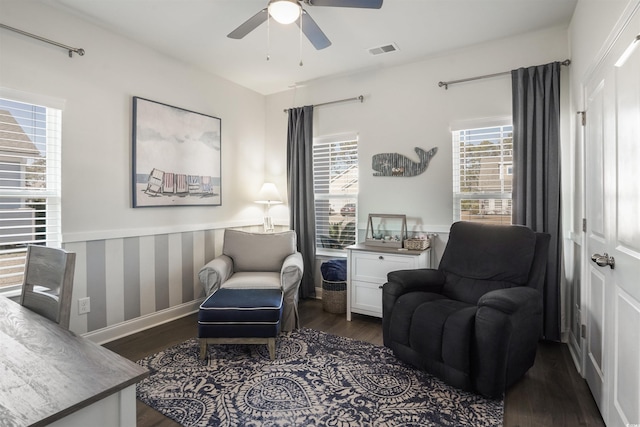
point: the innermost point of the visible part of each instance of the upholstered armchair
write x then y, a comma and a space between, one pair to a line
258, 261
475, 321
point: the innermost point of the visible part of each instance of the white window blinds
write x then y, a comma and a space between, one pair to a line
335, 181
482, 173
29, 183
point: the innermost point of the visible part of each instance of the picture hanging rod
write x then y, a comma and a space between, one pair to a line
70, 49
356, 98
486, 76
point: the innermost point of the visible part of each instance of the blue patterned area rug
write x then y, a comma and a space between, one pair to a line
317, 379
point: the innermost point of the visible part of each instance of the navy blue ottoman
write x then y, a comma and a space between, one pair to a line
240, 316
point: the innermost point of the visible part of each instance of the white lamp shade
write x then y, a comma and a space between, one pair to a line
284, 11
269, 194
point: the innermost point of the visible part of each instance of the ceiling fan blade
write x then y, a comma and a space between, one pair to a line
313, 32
364, 4
249, 25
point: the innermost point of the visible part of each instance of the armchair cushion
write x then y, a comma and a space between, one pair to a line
258, 251
253, 280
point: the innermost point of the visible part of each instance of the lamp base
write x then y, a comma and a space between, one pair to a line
268, 225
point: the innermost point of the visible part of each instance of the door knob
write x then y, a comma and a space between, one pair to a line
603, 260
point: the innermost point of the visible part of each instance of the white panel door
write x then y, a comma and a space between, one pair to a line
612, 367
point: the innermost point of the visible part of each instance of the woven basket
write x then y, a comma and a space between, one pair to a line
334, 296
417, 244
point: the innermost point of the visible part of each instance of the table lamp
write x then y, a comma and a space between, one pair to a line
268, 196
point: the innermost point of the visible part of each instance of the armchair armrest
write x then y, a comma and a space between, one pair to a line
404, 281
421, 279
291, 271
512, 300
290, 277
215, 273
507, 328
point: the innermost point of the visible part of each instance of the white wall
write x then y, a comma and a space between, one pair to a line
404, 108
97, 90
138, 266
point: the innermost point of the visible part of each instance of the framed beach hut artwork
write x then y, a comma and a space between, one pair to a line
176, 156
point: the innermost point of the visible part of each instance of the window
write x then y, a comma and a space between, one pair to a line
335, 183
482, 173
29, 184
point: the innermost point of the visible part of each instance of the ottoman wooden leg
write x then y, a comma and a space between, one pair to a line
271, 343
203, 348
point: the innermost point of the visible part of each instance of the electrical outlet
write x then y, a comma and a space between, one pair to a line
84, 305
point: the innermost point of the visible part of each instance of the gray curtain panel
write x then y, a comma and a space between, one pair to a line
536, 180
300, 190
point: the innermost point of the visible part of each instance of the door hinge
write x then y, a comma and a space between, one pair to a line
584, 225
583, 115
583, 331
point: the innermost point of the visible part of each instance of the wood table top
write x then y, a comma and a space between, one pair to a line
48, 372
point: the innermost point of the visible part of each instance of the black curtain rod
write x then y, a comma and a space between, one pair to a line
357, 98
566, 62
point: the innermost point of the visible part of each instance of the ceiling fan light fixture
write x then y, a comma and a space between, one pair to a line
284, 11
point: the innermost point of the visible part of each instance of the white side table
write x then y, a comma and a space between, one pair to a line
367, 268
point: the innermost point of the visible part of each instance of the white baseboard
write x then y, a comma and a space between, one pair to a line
114, 332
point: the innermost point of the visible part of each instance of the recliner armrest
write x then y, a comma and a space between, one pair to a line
511, 300
422, 279
401, 282
215, 273
508, 326
291, 271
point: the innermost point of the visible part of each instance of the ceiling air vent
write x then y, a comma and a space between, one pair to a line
383, 49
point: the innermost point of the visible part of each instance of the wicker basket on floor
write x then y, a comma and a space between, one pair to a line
334, 296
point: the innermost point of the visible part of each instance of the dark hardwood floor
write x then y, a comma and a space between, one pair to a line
551, 394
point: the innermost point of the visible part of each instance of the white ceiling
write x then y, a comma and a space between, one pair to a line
194, 32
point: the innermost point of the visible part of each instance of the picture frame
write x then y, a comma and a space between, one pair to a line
176, 157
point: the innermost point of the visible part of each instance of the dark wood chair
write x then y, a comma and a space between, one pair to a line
48, 283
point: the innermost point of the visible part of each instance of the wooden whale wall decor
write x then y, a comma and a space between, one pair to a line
394, 164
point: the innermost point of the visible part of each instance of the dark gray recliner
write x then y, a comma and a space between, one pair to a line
474, 322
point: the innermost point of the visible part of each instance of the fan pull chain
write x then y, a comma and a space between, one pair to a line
268, 36
300, 51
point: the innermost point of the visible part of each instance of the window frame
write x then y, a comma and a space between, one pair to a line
349, 197
505, 168
47, 139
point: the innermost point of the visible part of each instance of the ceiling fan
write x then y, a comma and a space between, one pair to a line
289, 11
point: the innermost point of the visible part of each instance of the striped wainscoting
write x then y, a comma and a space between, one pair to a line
137, 282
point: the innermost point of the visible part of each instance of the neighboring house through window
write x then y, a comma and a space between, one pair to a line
335, 183
29, 184
482, 174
